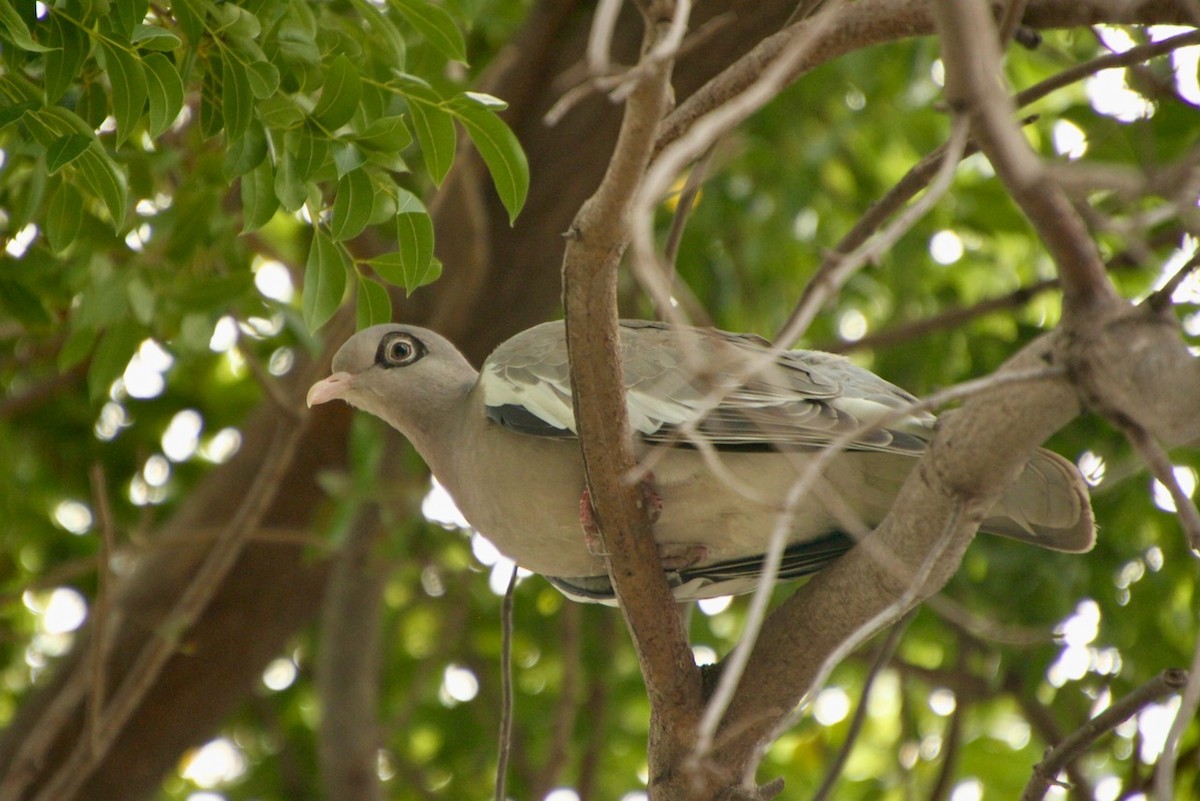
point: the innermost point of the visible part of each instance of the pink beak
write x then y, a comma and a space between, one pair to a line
336, 386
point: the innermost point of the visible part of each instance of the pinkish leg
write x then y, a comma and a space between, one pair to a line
674, 556
587, 521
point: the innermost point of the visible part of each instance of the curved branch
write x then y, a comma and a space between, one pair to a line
939, 507
971, 51
1162, 685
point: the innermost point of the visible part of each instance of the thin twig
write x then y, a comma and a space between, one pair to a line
103, 602
837, 268
952, 744
506, 685
1014, 11
1134, 55
1160, 467
1164, 771
270, 386
1161, 298
701, 135
1074, 744
683, 209
1047, 727
155, 654
888, 614
599, 46
943, 321
593, 251
985, 630
883, 656
971, 51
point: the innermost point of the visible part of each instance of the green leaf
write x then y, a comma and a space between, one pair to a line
346, 157
64, 215
116, 347
500, 150
310, 152
16, 31
296, 41
280, 112
165, 89
237, 101
411, 265
129, 14
339, 94
92, 105
324, 280
191, 15
212, 119
105, 179
69, 49
387, 134
264, 79
66, 149
259, 201
384, 207
374, 305
28, 201
352, 205
152, 37
75, 348
19, 303
408, 203
289, 185
378, 23
435, 25
129, 92
10, 114
246, 152
142, 300
435, 131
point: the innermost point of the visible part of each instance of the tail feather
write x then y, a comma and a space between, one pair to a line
1047, 505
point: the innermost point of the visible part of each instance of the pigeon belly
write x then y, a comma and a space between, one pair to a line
523, 494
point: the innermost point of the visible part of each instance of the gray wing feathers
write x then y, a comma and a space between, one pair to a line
798, 399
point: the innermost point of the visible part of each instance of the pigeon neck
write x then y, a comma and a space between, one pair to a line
432, 426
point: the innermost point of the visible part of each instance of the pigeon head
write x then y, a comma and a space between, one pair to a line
400, 373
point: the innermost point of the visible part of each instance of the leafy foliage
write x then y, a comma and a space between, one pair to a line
161, 172
309, 113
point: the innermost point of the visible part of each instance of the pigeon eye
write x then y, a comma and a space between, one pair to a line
398, 350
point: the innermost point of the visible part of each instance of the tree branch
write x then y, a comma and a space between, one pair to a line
939, 506
595, 244
853, 26
1166, 683
883, 655
971, 52
348, 665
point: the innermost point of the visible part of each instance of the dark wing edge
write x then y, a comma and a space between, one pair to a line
731, 577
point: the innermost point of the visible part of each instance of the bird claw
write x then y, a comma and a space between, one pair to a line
587, 521
651, 501
680, 555
674, 556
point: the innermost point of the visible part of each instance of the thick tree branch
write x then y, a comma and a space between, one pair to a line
595, 244
937, 512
